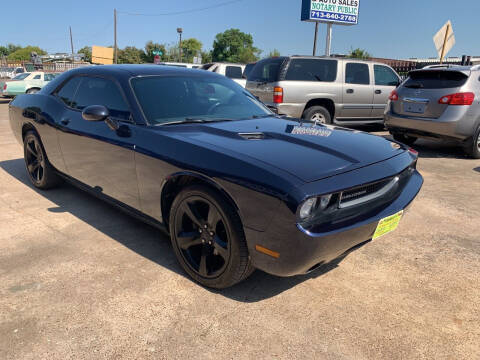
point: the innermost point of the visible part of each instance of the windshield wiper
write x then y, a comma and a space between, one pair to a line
194, 121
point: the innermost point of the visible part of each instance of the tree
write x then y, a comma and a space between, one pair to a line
234, 46
3, 51
24, 53
359, 54
130, 55
87, 51
12, 48
206, 56
150, 46
274, 53
190, 48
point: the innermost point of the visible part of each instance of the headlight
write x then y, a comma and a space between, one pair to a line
313, 205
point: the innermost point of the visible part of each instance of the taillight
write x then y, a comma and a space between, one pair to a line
4, 86
413, 151
393, 96
457, 99
278, 95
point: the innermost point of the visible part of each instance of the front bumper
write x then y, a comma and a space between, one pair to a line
300, 251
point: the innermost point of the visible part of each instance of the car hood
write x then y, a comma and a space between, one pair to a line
309, 152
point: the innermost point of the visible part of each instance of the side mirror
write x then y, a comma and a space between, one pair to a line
95, 113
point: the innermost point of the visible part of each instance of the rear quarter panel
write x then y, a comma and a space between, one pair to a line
40, 112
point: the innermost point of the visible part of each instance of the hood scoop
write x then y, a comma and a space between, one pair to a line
252, 136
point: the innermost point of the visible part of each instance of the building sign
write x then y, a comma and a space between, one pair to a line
102, 55
343, 12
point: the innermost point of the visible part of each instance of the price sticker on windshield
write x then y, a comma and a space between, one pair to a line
388, 225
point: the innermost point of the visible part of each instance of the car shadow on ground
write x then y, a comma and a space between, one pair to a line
147, 240
5, 101
477, 169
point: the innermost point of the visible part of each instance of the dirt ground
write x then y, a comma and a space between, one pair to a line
79, 279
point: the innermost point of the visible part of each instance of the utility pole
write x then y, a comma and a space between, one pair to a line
329, 39
315, 39
115, 60
180, 31
71, 44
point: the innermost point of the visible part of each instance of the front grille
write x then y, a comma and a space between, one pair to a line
362, 191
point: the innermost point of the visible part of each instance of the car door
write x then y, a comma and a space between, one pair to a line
386, 80
357, 91
94, 153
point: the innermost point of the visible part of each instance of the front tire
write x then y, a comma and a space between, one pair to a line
317, 114
473, 149
208, 239
41, 173
33, 91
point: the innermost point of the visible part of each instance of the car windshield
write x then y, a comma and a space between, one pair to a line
21, 76
174, 99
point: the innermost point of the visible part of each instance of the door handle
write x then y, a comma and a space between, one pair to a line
65, 121
378, 92
350, 91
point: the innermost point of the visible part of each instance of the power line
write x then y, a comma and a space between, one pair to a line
184, 11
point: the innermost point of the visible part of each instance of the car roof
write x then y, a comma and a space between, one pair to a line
130, 70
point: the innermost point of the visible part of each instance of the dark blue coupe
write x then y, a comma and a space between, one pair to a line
236, 186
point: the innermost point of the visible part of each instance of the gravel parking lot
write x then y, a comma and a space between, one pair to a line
79, 279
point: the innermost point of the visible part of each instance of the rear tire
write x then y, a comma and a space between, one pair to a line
41, 173
317, 114
407, 140
33, 91
206, 230
473, 149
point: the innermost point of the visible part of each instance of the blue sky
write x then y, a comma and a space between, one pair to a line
387, 28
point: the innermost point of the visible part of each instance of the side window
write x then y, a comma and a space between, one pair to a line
99, 91
385, 76
312, 70
67, 91
37, 77
48, 77
357, 73
233, 72
19, 71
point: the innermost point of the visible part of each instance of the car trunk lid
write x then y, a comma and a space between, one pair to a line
420, 94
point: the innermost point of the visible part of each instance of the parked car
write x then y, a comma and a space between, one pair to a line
324, 89
439, 102
26, 83
11, 72
232, 71
184, 65
194, 154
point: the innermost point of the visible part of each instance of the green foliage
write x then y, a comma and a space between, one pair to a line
206, 56
150, 46
130, 55
87, 51
274, 53
190, 48
234, 46
12, 48
24, 53
359, 54
3, 51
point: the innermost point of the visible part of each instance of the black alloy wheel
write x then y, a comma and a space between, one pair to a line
208, 239
40, 172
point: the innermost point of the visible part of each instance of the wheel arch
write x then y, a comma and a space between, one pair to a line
33, 87
328, 104
175, 183
29, 127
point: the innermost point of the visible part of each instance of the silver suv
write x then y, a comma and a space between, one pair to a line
439, 102
324, 89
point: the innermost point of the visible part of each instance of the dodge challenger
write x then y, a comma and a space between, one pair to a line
235, 186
